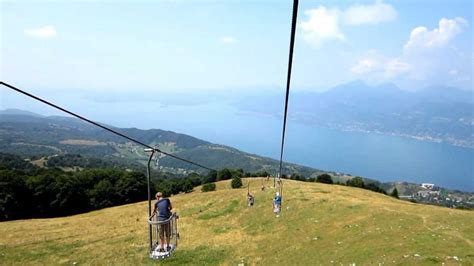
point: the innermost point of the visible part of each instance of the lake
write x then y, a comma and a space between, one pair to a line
381, 157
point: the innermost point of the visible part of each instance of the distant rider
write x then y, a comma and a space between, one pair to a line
250, 199
277, 204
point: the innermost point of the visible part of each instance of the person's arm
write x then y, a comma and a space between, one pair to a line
170, 207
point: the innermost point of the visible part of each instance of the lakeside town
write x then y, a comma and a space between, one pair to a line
428, 193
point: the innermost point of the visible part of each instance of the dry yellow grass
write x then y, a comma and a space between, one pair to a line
320, 224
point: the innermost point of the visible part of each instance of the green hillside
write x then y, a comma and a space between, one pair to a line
320, 224
28, 135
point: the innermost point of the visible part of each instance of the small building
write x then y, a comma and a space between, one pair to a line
427, 186
423, 193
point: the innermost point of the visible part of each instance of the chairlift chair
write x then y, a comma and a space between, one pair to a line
158, 230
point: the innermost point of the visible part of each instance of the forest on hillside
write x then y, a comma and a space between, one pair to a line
28, 191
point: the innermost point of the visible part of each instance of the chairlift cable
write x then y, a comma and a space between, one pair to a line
290, 63
99, 125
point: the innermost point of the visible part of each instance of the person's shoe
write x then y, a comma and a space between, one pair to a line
278, 216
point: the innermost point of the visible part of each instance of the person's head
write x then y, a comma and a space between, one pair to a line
277, 194
159, 195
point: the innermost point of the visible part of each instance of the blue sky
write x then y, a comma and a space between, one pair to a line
233, 45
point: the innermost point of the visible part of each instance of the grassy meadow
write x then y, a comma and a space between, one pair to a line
320, 224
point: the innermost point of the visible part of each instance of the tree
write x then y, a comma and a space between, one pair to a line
43, 190
239, 172
295, 176
224, 174
162, 186
210, 178
131, 187
71, 196
236, 182
394, 193
102, 195
324, 178
187, 186
14, 196
356, 182
175, 187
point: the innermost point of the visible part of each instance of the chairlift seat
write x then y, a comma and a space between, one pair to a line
157, 254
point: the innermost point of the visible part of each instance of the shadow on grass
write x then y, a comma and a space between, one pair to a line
214, 214
202, 255
38, 252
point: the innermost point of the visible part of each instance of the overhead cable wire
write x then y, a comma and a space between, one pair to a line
99, 125
288, 79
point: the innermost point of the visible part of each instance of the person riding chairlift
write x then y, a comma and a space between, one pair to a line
250, 199
277, 204
163, 211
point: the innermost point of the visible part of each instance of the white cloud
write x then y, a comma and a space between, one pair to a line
453, 72
363, 66
324, 24
227, 40
321, 26
44, 32
375, 64
429, 57
396, 67
421, 37
370, 14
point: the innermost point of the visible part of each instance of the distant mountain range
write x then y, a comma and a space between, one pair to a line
440, 114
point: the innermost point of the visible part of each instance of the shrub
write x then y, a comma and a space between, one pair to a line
236, 182
356, 182
375, 187
208, 187
298, 177
324, 178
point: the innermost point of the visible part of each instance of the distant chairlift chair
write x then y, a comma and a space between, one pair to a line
156, 228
